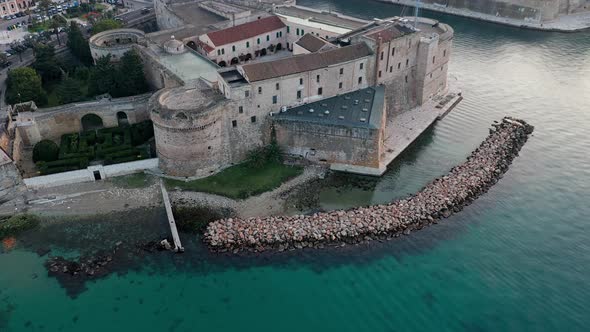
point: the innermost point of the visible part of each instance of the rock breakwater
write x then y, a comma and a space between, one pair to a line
439, 199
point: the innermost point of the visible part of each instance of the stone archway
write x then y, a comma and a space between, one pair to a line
122, 119
234, 61
91, 121
222, 64
279, 47
263, 52
248, 57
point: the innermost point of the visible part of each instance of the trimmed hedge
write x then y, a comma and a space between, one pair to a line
113, 145
45, 150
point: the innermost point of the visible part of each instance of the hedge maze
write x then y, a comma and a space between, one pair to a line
103, 146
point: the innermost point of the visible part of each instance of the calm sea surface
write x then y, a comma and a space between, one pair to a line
516, 260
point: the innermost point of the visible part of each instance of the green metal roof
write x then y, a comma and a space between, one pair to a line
358, 109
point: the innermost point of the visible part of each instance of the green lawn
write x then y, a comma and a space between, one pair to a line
241, 181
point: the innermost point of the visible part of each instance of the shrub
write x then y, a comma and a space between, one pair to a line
45, 150
17, 224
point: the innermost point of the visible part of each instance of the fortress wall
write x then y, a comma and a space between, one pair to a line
331, 144
165, 16
10, 181
52, 123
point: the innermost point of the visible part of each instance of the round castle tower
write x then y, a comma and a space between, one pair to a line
188, 131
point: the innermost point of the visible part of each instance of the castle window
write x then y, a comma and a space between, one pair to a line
302, 32
362, 66
393, 51
320, 91
267, 37
218, 52
277, 86
246, 93
259, 90
209, 147
317, 78
340, 85
258, 41
223, 51
234, 123
406, 78
299, 94
301, 81
380, 74
430, 75
341, 71
275, 99
444, 53
288, 29
253, 119
241, 109
360, 80
381, 58
277, 35
297, 31
247, 44
407, 62
433, 59
399, 65
391, 69
233, 48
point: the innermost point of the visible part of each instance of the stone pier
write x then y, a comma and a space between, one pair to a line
175, 237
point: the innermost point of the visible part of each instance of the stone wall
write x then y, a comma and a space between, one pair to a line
10, 181
114, 43
330, 143
165, 16
52, 123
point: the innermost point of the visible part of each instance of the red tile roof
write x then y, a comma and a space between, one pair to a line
204, 46
245, 31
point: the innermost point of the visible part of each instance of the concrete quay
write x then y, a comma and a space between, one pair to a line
566, 23
403, 129
439, 199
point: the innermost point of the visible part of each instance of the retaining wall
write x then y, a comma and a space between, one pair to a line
87, 175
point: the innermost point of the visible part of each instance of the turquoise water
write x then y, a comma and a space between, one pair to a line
515, 260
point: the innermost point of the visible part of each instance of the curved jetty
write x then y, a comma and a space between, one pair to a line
439, 199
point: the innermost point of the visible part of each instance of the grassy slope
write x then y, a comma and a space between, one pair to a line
241, 181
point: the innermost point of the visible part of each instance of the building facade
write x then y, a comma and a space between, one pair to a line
243, 42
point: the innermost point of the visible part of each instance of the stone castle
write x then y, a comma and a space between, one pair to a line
232, 76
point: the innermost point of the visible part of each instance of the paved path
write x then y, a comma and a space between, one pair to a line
404, 128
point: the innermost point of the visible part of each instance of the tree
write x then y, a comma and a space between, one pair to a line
101, 78
55, 24
78, 45
19, 49
130, 79
44, 6
24, 84
69, 91
45, 63
105, 24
